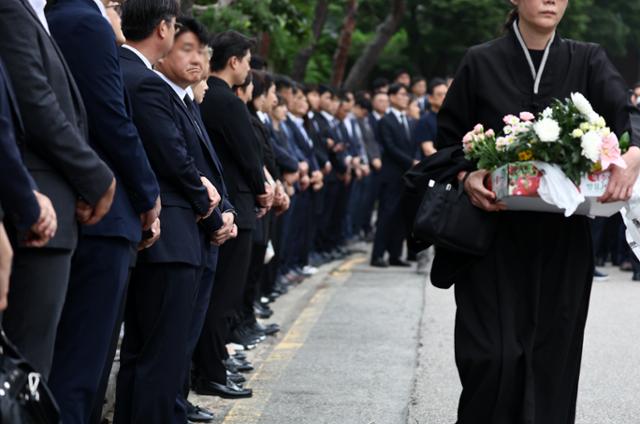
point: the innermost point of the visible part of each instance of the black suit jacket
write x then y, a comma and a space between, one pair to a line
326, 131
16, 185
227, 121
56, 151
398, 150
157, 114
88, 43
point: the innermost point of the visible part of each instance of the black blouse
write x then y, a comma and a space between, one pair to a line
494, 79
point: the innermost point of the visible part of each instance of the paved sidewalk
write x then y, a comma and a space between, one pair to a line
610, 379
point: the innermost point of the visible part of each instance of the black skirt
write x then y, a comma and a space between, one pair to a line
520, 321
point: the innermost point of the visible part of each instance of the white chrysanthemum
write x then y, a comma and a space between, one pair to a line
547, 113
547, 130
590, 144
582, 104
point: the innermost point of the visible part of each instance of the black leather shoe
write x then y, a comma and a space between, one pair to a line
262, 311
379, 263
228, 391
237, 365
399, 262
197, 414
236, 378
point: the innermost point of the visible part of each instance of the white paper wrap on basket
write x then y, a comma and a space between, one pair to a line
557, 189
631, 216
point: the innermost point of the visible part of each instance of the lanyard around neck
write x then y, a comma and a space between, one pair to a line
537, 75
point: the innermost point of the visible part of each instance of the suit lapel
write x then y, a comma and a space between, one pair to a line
77, 99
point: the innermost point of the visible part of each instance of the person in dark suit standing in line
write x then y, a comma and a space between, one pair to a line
164, 283
100, 265
227, 121
397, 157
64, 167
30, 212
362, 112
179, 71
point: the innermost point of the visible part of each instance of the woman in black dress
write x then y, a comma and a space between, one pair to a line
522, 307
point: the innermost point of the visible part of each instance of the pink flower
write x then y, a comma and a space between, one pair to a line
510, 120
478, 129
467, 142
527, 116
610, 152
490, 133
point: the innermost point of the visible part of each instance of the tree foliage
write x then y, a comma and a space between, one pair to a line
431, 39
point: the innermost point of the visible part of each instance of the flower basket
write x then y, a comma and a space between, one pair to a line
516, 184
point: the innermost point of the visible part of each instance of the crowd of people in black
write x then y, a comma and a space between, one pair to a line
160, 179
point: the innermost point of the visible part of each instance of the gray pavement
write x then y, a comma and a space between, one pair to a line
367, 346
347, 354
610, 378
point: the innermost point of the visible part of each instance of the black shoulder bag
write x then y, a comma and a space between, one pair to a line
24, 396
446, 218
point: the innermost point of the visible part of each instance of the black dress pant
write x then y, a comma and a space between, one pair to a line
390, 228
99, 272
39, 283
520, 321
158, 315
226, 299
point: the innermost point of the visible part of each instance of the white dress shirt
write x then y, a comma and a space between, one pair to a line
142, 57
103, 10
38, 7
181, 92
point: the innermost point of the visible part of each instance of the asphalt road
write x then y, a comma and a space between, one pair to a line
363, 346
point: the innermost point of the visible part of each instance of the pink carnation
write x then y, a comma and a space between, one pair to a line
467, 142
610, 152
510, 120
478, 129
490, 133
527, 116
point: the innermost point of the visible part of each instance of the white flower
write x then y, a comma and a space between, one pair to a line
547, 130
590, 144
577, 133
547, 113
503, 143
582, 104
595, 119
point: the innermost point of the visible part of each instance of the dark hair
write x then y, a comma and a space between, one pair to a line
226, 45
511, 18
434, 83
378, 83
417, 79
248, 80
322, 88
364, 103
399, 72
295, 87
191, 25
396, 87
262, 82
141, 17
283, 81
378, 93
258, 63
310, 88
281, 101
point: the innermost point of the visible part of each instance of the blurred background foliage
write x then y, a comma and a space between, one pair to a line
430, 38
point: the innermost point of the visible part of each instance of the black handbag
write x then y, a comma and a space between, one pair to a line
447, 219
24, 396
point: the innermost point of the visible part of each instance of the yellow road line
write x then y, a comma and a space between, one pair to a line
249, 411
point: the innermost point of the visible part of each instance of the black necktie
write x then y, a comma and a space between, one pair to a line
193, 114
405, 124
